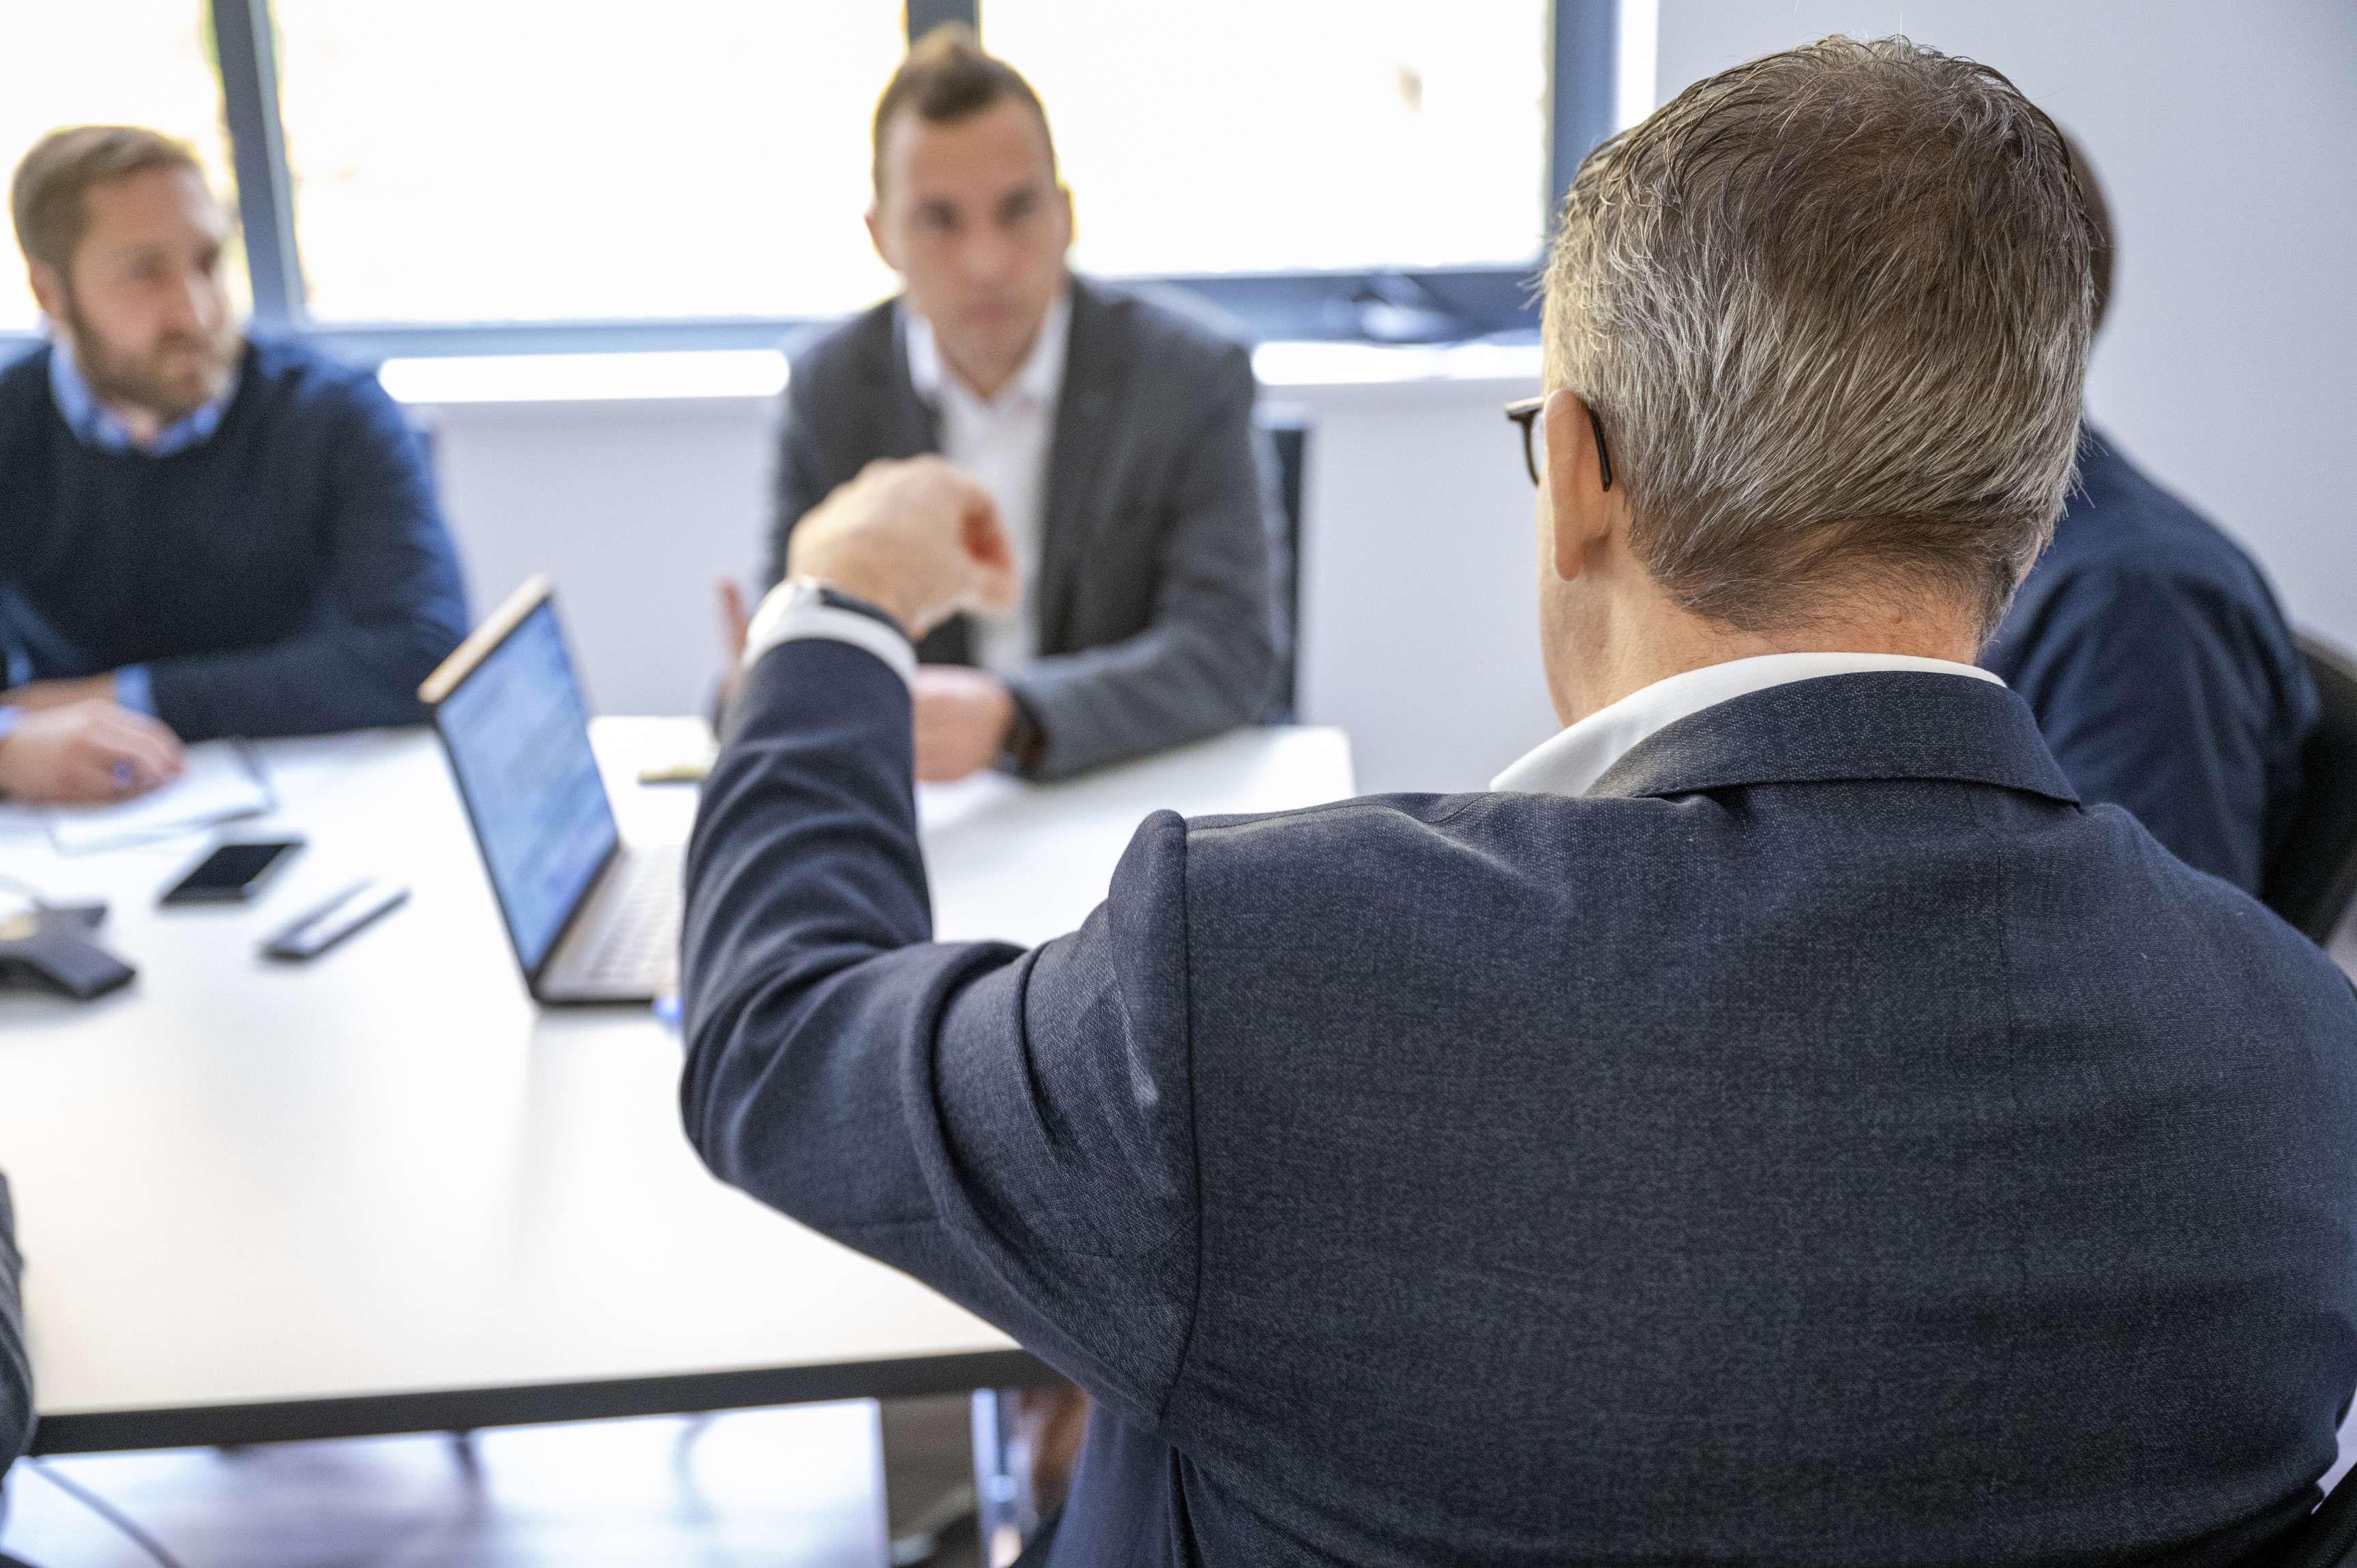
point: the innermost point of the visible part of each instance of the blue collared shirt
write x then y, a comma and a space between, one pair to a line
97, 426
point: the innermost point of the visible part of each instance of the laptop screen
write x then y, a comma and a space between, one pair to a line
518, 734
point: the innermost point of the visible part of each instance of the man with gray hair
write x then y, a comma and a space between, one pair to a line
1779, 1123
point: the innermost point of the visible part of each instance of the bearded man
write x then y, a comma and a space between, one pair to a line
200, 535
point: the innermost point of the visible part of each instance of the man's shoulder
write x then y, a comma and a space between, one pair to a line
853, 349
294, 381
23, 384
2123, 524
2130, 559
1166, 334
1371, 842
1585, 860
28, 367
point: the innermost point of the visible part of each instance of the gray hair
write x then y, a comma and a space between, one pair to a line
1833, 309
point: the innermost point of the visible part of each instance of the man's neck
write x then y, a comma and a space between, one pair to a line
1663, 641
986, 376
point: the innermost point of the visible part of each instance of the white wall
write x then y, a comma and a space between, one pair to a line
2227, 137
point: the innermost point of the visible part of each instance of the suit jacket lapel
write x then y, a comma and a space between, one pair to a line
1093, 364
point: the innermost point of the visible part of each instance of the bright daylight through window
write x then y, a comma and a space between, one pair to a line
1237, 135
137, 62
488, 160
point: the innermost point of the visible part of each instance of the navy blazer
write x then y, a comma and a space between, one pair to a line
2161, 671
1828, 1144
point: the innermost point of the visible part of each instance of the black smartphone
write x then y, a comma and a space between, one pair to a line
232, 873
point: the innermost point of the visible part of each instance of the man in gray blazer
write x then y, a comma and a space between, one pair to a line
1779, 1123
1114, 436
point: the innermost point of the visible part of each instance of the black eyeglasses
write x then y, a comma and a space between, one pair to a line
1526, 413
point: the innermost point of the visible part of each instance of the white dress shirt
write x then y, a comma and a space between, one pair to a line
1004, 442
1572, 762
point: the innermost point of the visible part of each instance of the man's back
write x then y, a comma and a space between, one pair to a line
2161, 670
1840, 1147
1807, 1136
1819, 1170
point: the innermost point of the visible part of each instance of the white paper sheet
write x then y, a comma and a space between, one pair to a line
220, 785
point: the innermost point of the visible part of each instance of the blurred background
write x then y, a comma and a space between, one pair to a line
576, 236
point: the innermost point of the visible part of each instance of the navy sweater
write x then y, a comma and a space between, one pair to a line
2161, 671
290, 576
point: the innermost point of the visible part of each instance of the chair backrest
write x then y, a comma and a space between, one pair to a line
2314, 874
2328, 1537
1284, 429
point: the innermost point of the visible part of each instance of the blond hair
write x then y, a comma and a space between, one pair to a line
46, 198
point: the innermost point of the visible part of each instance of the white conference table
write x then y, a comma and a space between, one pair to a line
386, 1192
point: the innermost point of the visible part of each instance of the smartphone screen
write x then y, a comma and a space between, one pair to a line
232, 872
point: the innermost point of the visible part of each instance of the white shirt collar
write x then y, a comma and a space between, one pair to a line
1038, 381
1572, 762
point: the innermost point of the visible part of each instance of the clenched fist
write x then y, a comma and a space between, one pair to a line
916, 537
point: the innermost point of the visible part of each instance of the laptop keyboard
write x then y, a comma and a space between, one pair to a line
640, 943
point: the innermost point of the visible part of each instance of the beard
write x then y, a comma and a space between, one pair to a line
176, 376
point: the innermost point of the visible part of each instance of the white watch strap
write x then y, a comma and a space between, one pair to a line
794, 610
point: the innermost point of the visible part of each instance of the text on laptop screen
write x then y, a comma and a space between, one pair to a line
518, 734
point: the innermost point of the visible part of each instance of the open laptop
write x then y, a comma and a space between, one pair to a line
592, 918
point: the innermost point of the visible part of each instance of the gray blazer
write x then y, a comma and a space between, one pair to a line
1828, 1144
1153, 612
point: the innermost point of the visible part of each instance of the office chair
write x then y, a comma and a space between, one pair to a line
2313, 877
1282, 432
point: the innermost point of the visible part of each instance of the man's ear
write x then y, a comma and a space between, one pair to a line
876, 235
1582, 511
50, 291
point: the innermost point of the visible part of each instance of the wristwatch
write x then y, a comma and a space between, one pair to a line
817, 591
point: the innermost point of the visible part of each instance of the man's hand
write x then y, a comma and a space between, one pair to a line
964, 718
61, 693
85, 754
915, 537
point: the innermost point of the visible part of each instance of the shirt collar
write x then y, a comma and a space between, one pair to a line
1572, 762
96, 425
1039, 380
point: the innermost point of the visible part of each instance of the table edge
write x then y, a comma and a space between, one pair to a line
531, 1404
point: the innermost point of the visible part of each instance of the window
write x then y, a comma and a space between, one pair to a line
490, 160
525, 176
1237, 135
139, 62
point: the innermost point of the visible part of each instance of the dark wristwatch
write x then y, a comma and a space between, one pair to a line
1025, 741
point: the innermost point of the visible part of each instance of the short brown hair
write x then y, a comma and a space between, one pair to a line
46, 196
947, 78
1833, 309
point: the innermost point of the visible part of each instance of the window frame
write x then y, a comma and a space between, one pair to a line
1372, 305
